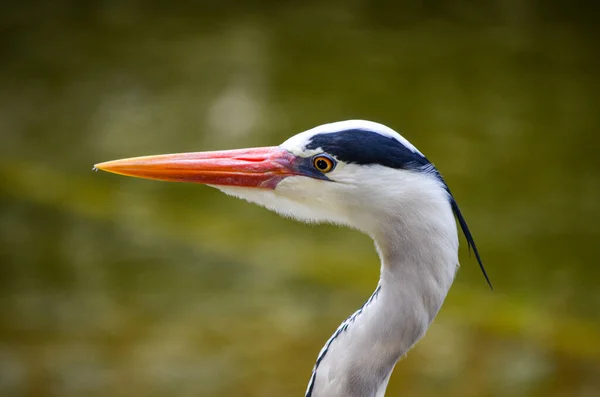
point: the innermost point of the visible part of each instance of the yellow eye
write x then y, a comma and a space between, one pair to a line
323, 163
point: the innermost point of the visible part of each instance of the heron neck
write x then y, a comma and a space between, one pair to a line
418, 263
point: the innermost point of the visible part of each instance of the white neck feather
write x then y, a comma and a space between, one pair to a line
419, 255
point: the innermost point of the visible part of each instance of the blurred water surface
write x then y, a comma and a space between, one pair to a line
116, 286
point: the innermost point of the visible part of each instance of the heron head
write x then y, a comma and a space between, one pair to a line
352, 172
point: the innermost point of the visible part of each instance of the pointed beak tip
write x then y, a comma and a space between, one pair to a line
100, 166
109, 166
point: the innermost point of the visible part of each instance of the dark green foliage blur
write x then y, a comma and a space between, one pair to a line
112, 286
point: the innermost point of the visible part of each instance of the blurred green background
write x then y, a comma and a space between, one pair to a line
123, 287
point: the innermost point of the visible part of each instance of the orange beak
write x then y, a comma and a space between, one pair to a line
256, 167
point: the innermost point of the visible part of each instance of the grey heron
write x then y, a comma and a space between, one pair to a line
366, 176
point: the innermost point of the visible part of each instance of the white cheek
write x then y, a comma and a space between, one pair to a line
301, 198
313, 200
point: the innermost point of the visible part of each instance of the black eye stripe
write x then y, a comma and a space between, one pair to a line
365, 147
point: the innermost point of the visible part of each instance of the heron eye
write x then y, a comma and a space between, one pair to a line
324, 163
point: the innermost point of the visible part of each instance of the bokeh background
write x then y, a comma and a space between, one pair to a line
123, 287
